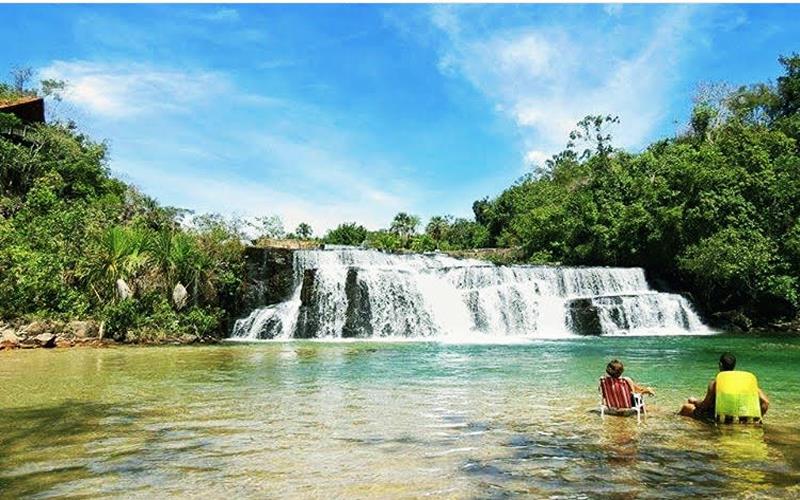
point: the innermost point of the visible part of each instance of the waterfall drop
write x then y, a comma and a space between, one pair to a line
353, 293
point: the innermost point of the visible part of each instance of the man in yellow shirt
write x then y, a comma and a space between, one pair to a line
705, 409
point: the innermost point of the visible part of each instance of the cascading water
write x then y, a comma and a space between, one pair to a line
350, 293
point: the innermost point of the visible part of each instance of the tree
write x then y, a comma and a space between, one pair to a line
304, 231
438, 226
383, 240
269, 226
348, 233
404, 225
788, 88
592, 131
21, 78
120, 255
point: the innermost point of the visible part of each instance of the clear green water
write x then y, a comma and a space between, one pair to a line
389, 420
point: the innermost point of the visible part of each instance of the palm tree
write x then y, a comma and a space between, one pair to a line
438, 225
404, 225
120, 255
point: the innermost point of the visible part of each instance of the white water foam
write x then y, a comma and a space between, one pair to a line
436, 297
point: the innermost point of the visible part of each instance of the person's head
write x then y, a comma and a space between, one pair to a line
727, 362
615, 368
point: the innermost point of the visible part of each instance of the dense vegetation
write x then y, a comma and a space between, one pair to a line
77, 243
441, 233
715, 210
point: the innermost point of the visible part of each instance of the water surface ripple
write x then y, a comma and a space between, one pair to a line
309, 419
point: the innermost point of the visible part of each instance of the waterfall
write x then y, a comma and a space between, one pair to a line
352, 293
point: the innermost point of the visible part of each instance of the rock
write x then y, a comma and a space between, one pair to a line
62, 342
309, 315
82, 329
358, 315
583, 317
188, 338
269, 276
123, 290
478, 313
179, 296
9, 340
733, 320
45, 340
35, 328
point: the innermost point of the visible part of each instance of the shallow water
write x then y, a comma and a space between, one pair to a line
390, 420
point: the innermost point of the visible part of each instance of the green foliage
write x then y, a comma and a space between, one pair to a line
423, 243
384, 240
348, 233
405, 226
304, 231
269, 226
716, 211
9, 122
68, 231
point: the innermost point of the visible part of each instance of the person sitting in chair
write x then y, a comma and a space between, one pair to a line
620, 395
614, 370
731, 395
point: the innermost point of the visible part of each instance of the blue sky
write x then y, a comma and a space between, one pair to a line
330, 113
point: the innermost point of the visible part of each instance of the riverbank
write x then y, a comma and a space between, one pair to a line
48, 334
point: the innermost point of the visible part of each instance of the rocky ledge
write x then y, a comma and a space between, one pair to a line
47, 334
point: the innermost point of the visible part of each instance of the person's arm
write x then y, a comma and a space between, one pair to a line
708, 401
640, 388
764, 401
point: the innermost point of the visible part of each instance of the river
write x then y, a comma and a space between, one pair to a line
389, 419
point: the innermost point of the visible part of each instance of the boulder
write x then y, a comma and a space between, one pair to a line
9, 339
583, 317
45, 340
82, 329
35, 328
123, 290
269, 276
187, 338
358, 315
735, 320
179, 296
308, 318
62, 342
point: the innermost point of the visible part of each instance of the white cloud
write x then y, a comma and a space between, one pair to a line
221, 15
130, 90
536, 158
306, 169
547, 78
613, 9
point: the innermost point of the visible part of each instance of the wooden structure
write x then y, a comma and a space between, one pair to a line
27, 109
